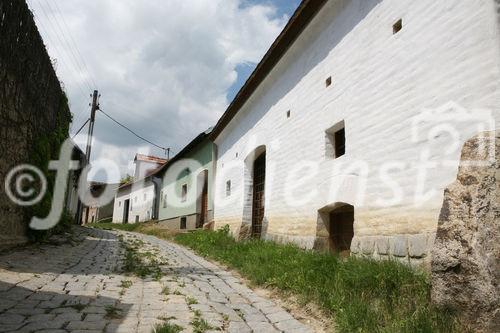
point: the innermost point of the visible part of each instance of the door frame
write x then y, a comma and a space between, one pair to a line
202, 198
126, 208
258, 195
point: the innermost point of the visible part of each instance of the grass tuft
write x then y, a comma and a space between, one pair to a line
126, 284
362, 295
138, 263
112, 312
165, 290
167, 328
148, 228
117, 226
191, 300
200, 325
78, 307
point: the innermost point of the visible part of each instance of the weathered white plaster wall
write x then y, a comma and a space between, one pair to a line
444, 59
142, 168
121, 195
198, 161
141, 199
141, 206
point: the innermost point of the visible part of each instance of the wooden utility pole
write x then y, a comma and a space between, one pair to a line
93, 109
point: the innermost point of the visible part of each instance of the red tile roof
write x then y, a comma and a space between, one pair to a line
149, 158
148, 174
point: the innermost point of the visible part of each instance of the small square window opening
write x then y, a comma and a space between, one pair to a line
340, 142
184, 192
397, 26
328, 81
335, 141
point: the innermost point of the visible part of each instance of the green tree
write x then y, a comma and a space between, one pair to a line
128, 178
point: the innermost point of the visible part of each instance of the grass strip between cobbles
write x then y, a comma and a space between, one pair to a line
361, 295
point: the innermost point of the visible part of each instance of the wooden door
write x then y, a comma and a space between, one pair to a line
204, 205
259, 181
126, 206
341, 229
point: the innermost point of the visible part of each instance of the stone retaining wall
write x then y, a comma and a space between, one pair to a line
32, 104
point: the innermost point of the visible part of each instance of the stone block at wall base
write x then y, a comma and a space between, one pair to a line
382, 245
408, 249
175, 223
417, 245
304, 242
209, 225
322, 244
245, 232
355, 245
399, 246
367, 246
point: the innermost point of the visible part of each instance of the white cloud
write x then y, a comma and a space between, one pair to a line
162, 66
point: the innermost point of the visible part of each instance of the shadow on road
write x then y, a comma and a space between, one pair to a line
52, 287
26, 310
98, 253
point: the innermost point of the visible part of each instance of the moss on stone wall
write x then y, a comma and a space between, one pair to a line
46, 148
34, 114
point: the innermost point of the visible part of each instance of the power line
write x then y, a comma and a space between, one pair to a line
56, 48
65, 41
58, 34
67, 61
59, 31
75, 58
72, 42
78, 116
85, 123
137, 135
81, 114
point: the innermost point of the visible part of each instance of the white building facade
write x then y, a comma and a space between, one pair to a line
187, 186
136, 201
350, 138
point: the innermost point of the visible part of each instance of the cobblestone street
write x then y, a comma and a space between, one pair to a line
81, 287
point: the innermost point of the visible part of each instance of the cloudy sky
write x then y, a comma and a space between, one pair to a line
165, 68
